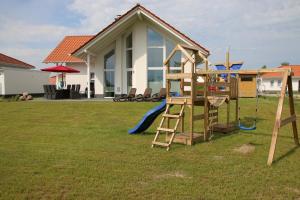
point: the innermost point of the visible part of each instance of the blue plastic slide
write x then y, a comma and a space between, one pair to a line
148, 118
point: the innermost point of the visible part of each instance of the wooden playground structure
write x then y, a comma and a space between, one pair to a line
211, 93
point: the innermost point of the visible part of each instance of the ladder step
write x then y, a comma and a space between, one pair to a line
171, 116
166, 129
176, 102
161, 144
213, 117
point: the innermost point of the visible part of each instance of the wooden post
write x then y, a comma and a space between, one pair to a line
277, 118
88, 76
167, 90
237, 113
292, 109
228, 81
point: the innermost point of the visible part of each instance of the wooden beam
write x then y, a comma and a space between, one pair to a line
178, 76
170, 55
288, 120
202, 72
186, 53
292, 110
277, 119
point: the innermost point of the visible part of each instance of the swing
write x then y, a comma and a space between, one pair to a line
253, 127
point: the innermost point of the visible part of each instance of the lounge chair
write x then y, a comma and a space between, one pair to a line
75, 92
159, 96
125, 97
144, 97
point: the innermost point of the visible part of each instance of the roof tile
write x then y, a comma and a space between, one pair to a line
62, 53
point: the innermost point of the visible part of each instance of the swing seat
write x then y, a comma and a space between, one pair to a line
251, 128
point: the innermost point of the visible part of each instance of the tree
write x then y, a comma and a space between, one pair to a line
285, 63
264, 67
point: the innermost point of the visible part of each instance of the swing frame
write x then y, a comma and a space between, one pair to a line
279, 122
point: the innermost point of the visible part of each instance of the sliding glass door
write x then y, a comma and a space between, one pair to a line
109, 74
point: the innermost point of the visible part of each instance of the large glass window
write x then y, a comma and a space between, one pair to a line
154, 39
109, 74
158, 49
129, 61
155, 57
155, 80
176, 59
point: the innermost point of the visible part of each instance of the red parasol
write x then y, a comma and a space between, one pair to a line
61, 68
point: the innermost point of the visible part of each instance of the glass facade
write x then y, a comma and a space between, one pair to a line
129, 61
155, 80
109, 74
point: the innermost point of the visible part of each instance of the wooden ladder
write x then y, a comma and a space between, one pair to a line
212, 120
160, 129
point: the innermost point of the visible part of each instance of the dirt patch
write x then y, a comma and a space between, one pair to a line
295, 190
245, 149
175, 174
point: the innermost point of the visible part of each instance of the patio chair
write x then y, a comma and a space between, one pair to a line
159, 96
75, 92
125, 97
68, 87
53, 92
144, 97
46, 92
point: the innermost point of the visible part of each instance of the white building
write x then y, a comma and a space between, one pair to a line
271, 82
17, 77
129, 52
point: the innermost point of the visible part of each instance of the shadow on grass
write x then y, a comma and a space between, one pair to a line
287, 154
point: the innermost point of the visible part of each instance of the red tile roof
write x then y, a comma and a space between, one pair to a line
63, 50
138, 6
295, 69
10, 61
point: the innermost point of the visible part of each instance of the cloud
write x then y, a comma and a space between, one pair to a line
255, 30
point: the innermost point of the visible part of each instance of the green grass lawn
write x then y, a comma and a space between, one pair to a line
81, 150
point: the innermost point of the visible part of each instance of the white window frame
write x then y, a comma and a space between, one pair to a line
128, 49
164, 47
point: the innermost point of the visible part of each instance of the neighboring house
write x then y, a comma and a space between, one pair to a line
271, 82
17, 76
127, 53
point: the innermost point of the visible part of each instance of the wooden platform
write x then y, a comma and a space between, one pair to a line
223, 128
184, 138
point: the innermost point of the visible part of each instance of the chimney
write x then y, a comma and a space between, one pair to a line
117, 17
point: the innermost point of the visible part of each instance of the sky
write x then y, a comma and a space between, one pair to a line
258, 32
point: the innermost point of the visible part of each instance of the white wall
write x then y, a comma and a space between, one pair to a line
139, 57
2, 88
79, 78
17, 81
266, 84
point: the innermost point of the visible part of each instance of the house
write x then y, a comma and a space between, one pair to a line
17, 76
127, 53
271, 82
